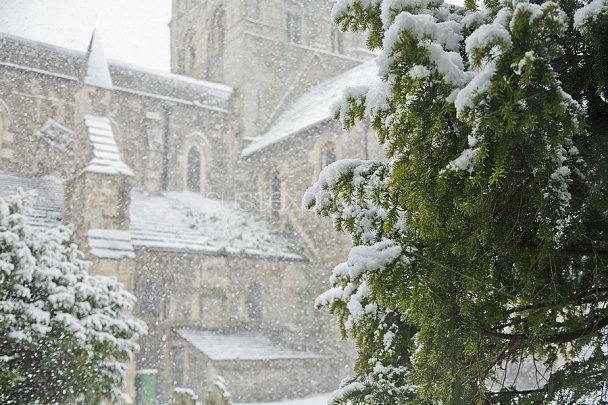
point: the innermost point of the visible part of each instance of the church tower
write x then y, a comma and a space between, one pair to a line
270, 51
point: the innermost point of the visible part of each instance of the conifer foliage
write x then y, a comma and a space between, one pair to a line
479, 272
65, 335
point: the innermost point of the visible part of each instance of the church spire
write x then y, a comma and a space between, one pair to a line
98, 72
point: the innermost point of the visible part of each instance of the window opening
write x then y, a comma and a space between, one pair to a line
275, 193
254, 301
193, 182
294, 28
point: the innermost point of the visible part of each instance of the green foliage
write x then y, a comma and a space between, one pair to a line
494, 190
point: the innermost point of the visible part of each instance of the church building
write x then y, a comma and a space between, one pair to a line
187, 186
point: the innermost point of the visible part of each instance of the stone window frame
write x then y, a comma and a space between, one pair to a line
201, 143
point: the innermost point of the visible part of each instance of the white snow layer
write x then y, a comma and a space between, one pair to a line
173, 222
314, 106
98, 72
590, 12
106, 158
242, 346
110, 244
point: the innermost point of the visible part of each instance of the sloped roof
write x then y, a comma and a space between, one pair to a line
313, 107
173, 222
46, 211
106, 158
242, 346
110, 243
69, 64
190, 223
98, 73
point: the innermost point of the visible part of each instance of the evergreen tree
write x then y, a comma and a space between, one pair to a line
64, 334
479, 268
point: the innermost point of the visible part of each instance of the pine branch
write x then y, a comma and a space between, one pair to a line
557, 338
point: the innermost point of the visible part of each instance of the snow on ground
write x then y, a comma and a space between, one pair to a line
312, 400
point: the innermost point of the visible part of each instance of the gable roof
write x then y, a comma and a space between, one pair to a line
313, 107
242, 346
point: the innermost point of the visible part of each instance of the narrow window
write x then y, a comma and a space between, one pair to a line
177, 365
294, 28
254, 301
275, 193
193, 181
215, 46
149, 297
189, 52
329, 156
337, 40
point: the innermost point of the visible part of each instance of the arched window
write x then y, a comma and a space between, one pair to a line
254, 301
193, 173
275, 193
216, 40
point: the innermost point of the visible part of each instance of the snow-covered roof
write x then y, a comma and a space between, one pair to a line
69, 64
314, 106
110, 244
97, 74
191, 223
106, 158
242, 346
173, 222
46, 211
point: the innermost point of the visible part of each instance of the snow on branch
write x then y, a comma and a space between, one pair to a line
51, 306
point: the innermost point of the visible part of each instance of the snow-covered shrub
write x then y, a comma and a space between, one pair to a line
64, 334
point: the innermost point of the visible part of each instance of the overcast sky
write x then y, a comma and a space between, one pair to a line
134, 31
